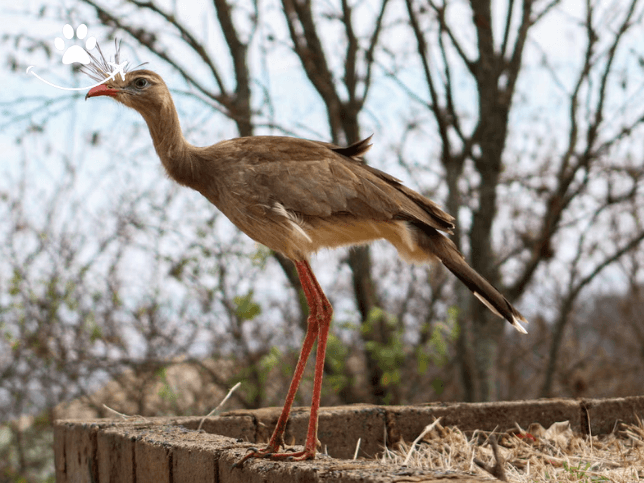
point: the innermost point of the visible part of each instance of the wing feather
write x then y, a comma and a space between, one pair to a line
316, 179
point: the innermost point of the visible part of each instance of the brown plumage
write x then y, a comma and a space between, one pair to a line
297, 196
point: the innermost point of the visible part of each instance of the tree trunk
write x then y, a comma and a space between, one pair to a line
378, 331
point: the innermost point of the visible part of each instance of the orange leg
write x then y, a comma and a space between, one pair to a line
318, 324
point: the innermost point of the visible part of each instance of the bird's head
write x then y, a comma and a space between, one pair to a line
141, 90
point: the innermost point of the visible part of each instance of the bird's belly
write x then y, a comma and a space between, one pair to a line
345, 232
298, 238
338, 233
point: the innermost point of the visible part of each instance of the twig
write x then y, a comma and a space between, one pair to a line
497, 470
355, 455
427, 429
124, 416
216, 410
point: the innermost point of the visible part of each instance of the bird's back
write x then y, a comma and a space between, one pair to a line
297, 196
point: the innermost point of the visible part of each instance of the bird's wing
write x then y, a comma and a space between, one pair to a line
314, 179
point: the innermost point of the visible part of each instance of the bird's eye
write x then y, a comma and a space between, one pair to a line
140, 83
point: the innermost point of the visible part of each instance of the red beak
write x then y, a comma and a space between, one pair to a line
101, 90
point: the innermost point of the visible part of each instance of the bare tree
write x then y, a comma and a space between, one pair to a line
493, 60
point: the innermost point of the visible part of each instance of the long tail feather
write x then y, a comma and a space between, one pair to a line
444, 249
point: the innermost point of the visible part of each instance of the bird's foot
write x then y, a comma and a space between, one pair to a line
257, 453
271, 453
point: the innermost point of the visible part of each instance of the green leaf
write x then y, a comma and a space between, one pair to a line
438, 386
246, 308
267, 362
261, 256
14, 283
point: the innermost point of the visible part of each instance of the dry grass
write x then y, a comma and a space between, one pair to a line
537, 454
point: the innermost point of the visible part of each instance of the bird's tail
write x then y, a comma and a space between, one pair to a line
444, 249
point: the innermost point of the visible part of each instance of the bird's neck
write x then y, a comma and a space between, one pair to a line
175, 152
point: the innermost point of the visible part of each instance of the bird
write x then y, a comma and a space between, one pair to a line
296, 197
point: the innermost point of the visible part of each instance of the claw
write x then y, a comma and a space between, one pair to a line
272, 452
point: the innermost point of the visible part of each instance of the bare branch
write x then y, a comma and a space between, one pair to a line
241, 101
539, 15
506, 30
308, 47
440, 13
186, 35
560, 198
421, 43
369, 55
350, 77
514, 64
599, 109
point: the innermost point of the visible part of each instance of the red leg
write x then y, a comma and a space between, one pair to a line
318, 323
324, 326
277, 439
